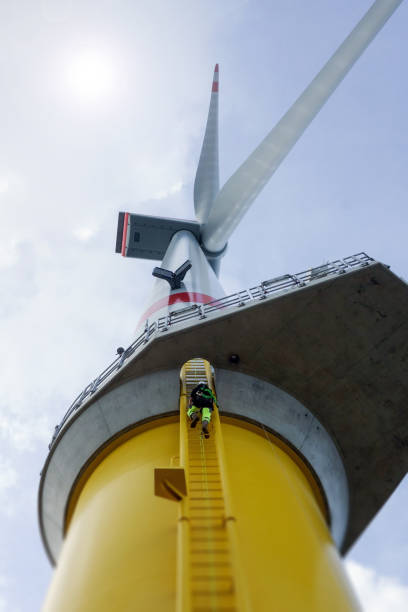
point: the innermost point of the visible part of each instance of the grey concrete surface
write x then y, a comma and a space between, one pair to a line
144, 398
93, 426
339, 346
259, 401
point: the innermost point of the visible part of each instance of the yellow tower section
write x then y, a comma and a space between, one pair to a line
243, 526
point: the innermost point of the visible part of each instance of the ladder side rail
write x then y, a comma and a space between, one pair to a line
241, 591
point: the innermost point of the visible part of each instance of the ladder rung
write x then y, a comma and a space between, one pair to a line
215, 517
212, 473
209, 498
202, 551
194, 508
206, 486
213, 578
214, 470
210, 589
210, 608
210, 564
206, 539
216, 523
209, 489
207, 528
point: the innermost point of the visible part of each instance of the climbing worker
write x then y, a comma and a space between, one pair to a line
202, 401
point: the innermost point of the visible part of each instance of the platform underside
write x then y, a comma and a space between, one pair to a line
339, 346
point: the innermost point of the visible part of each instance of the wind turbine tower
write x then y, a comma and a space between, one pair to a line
137, 510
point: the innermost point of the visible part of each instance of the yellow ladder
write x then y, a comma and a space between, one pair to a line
208, 570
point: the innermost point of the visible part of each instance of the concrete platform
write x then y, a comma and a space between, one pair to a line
156, 397
339, 346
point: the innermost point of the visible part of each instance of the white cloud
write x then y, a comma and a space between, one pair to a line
376, 592
11, 184
8, 253
4, 184
165, 193
83, 233
23, 430
3, 604
8, 480
4, 600
8, 476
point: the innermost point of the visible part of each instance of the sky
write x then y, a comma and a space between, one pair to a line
103, 109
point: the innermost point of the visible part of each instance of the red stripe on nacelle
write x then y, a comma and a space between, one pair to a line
124, 235
173, 298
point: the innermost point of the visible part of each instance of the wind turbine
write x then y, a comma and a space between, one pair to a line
218, 212
291, 474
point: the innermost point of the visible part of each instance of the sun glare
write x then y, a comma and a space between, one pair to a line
91, 76
4, 184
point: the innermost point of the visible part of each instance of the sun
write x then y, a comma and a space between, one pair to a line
91, 76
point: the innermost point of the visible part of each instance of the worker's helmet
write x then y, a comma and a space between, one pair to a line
203, 383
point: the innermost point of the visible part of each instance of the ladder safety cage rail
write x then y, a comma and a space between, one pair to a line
195, 311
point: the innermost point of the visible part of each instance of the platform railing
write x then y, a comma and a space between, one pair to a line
276, 285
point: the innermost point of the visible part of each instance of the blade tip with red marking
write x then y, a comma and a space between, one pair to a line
215, 79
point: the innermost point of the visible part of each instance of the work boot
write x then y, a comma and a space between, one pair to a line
205, 429
194, 419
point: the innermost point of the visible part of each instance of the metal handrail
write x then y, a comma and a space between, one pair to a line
202, 311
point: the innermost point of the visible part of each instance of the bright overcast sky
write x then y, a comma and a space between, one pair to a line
102, 109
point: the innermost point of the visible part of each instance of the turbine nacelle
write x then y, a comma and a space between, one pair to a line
148, 237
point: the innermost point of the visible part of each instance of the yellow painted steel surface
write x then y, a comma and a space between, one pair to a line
250, 535
288, 557
120, 549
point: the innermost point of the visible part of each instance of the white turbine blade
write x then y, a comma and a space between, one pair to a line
206, 184
241, 189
